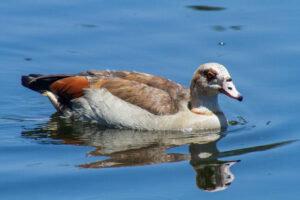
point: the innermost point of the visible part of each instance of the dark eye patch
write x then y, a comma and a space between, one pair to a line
210, 75
229, 80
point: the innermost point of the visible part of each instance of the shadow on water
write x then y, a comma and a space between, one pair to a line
88, 25
128, 148
205, 8
220, 28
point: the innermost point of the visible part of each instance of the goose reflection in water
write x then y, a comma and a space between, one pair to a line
138, 148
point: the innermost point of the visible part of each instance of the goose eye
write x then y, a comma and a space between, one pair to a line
210, 76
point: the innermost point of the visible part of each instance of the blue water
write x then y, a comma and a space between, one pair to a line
45, 157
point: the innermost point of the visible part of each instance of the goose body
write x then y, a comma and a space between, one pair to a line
138, 100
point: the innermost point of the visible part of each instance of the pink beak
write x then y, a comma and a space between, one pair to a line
229, 89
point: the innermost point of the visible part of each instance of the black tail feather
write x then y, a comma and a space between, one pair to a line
41, 83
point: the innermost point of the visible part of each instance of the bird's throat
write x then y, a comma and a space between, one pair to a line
205, 105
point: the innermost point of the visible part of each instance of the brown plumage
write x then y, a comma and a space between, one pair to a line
175, 90
153, 93
156, 101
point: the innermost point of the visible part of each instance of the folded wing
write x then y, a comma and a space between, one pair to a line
155, 94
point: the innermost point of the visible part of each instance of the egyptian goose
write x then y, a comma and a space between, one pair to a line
138, 100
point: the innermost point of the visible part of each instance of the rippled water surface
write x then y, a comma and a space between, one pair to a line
43, 156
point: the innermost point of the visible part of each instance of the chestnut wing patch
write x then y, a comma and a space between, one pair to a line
152, 99
69, 88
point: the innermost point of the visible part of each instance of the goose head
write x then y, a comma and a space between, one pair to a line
209, 80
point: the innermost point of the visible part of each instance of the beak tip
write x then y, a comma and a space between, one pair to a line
240, 98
